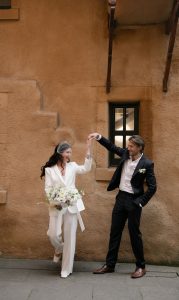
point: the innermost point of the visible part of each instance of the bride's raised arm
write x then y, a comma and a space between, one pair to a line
86, 167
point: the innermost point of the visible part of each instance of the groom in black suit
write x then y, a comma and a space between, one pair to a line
133, 170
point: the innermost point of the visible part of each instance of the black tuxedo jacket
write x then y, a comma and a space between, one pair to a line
139, 176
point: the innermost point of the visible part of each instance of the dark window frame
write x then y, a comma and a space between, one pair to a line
112, 132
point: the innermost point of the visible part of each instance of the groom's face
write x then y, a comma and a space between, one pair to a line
133, 149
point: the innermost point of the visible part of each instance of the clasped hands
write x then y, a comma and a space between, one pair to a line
94, 135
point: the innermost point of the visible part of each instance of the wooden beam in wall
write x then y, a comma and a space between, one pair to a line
170, 19
111, 25
173, 29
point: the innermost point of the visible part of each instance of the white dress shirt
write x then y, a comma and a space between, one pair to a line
126, 175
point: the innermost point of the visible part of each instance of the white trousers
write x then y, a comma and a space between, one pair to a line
67, 244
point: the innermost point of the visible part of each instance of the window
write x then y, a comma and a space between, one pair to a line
5, 4
9, 10
123, 122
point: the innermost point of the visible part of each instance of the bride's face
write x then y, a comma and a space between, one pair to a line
67, 155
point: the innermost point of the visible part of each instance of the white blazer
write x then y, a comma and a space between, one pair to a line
53, 178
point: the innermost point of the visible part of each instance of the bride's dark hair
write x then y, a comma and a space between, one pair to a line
56, 156
52, 161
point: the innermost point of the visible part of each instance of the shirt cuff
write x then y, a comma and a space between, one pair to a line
98, 137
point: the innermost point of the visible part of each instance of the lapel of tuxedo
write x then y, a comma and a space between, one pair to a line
58, 173
124, 157
139, 165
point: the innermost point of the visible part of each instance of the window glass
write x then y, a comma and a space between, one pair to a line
5, 4
118, 119
130, 118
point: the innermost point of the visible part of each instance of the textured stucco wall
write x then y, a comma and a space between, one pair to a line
52, 76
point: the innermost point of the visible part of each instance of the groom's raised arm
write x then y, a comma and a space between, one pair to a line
106, 143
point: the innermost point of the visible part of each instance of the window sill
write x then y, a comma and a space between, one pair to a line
9, 14
104, 174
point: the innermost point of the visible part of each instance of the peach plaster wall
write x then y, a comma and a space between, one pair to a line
53, 68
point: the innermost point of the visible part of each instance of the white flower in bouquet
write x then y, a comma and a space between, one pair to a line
61, 197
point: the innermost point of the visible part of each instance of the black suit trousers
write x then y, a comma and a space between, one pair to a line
124, 209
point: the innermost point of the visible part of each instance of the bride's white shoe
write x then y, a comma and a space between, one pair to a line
65, 275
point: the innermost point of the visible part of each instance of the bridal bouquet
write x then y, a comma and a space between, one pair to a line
61, 197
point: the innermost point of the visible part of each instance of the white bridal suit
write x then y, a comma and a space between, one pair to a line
68, 217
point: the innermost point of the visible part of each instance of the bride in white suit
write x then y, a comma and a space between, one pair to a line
60, 172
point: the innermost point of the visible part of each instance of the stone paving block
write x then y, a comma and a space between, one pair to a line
62, 293
159, 294
45, 278
106, 292
15, 292
154, 268
35, 264
161, 274
13, 275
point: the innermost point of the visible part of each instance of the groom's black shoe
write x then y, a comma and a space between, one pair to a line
104, 269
